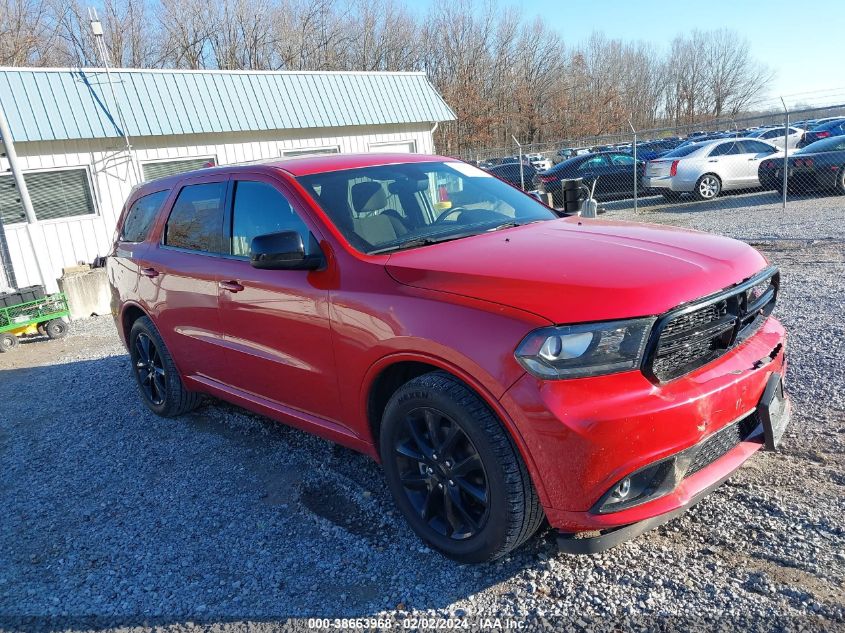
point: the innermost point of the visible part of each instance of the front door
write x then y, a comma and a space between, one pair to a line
276, 322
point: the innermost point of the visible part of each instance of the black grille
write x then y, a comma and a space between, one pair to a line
693, 335
721, 442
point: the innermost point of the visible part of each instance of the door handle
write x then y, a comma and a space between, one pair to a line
149, 272
713, 161
231, 286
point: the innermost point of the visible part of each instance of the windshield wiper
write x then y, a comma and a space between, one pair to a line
420, 241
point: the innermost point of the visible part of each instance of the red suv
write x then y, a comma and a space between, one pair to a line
505, 364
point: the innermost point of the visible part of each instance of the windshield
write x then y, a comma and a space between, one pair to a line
390, 207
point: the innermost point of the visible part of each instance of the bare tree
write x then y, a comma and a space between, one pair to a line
26, 33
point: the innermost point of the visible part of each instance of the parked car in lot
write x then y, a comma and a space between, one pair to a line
504, 364
510, 173
538, 161
613, 173
820, 166
778, 136
835, 127
650, 150
708, 168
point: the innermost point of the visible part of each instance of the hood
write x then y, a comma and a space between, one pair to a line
575, 270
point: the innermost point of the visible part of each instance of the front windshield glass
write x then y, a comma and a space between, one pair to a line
391, 207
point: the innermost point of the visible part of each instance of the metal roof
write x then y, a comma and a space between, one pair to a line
64, 103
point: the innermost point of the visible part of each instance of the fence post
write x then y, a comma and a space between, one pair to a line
636, 170
785, 152
521, 168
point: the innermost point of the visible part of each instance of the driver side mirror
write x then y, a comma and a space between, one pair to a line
283, 251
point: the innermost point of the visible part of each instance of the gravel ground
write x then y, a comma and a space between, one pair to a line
114, 518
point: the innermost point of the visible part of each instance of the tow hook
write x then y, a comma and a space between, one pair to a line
768, 359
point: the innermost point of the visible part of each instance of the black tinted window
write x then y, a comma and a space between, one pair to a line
196, 222
141, 216
260, 209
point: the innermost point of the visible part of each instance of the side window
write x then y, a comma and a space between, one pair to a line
725, 149
141, 216
622, 160
756, 147
592, 163
196, 221
260, 209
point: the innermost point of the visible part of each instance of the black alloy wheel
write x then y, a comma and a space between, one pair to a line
442, 474
455, 472
149, 369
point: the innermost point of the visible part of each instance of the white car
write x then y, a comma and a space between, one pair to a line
708, 168
539, 162
776, 136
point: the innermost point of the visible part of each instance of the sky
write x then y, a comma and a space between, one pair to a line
800, 41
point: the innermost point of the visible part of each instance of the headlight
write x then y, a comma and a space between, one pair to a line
590, 349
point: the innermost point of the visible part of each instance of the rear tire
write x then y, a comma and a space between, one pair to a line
708, 187
56, 329
156, 376
433, 426
8, 342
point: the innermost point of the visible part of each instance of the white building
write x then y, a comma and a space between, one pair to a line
70, 129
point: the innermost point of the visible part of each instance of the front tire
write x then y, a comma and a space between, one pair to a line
840, 181
708, 187
56, 329
155, 372
454, 471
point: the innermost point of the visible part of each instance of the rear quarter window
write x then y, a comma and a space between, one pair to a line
196, 221
141, 216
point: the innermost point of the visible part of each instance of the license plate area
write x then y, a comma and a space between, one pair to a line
774, 411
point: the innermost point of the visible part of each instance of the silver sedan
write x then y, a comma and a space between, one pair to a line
708, 168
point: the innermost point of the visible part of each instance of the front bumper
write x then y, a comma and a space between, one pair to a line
582, 436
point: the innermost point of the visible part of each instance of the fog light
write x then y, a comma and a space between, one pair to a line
622, 489
646, 484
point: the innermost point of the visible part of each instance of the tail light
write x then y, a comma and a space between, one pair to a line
822, 134
767, 164
673, 170
547, 179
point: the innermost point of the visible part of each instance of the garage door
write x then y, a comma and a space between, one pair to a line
400, 147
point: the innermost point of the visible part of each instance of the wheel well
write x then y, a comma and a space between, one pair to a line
386, 384
130, 315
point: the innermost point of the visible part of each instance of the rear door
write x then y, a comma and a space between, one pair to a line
179, 275
276, 322
621, 173
596, 168
754, 152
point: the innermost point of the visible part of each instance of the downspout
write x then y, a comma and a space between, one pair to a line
433, 130
32, 228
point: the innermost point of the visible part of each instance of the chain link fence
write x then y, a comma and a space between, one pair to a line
761, 159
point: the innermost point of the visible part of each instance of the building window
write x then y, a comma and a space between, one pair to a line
56, 194
164, 168
310, 151
394, 147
